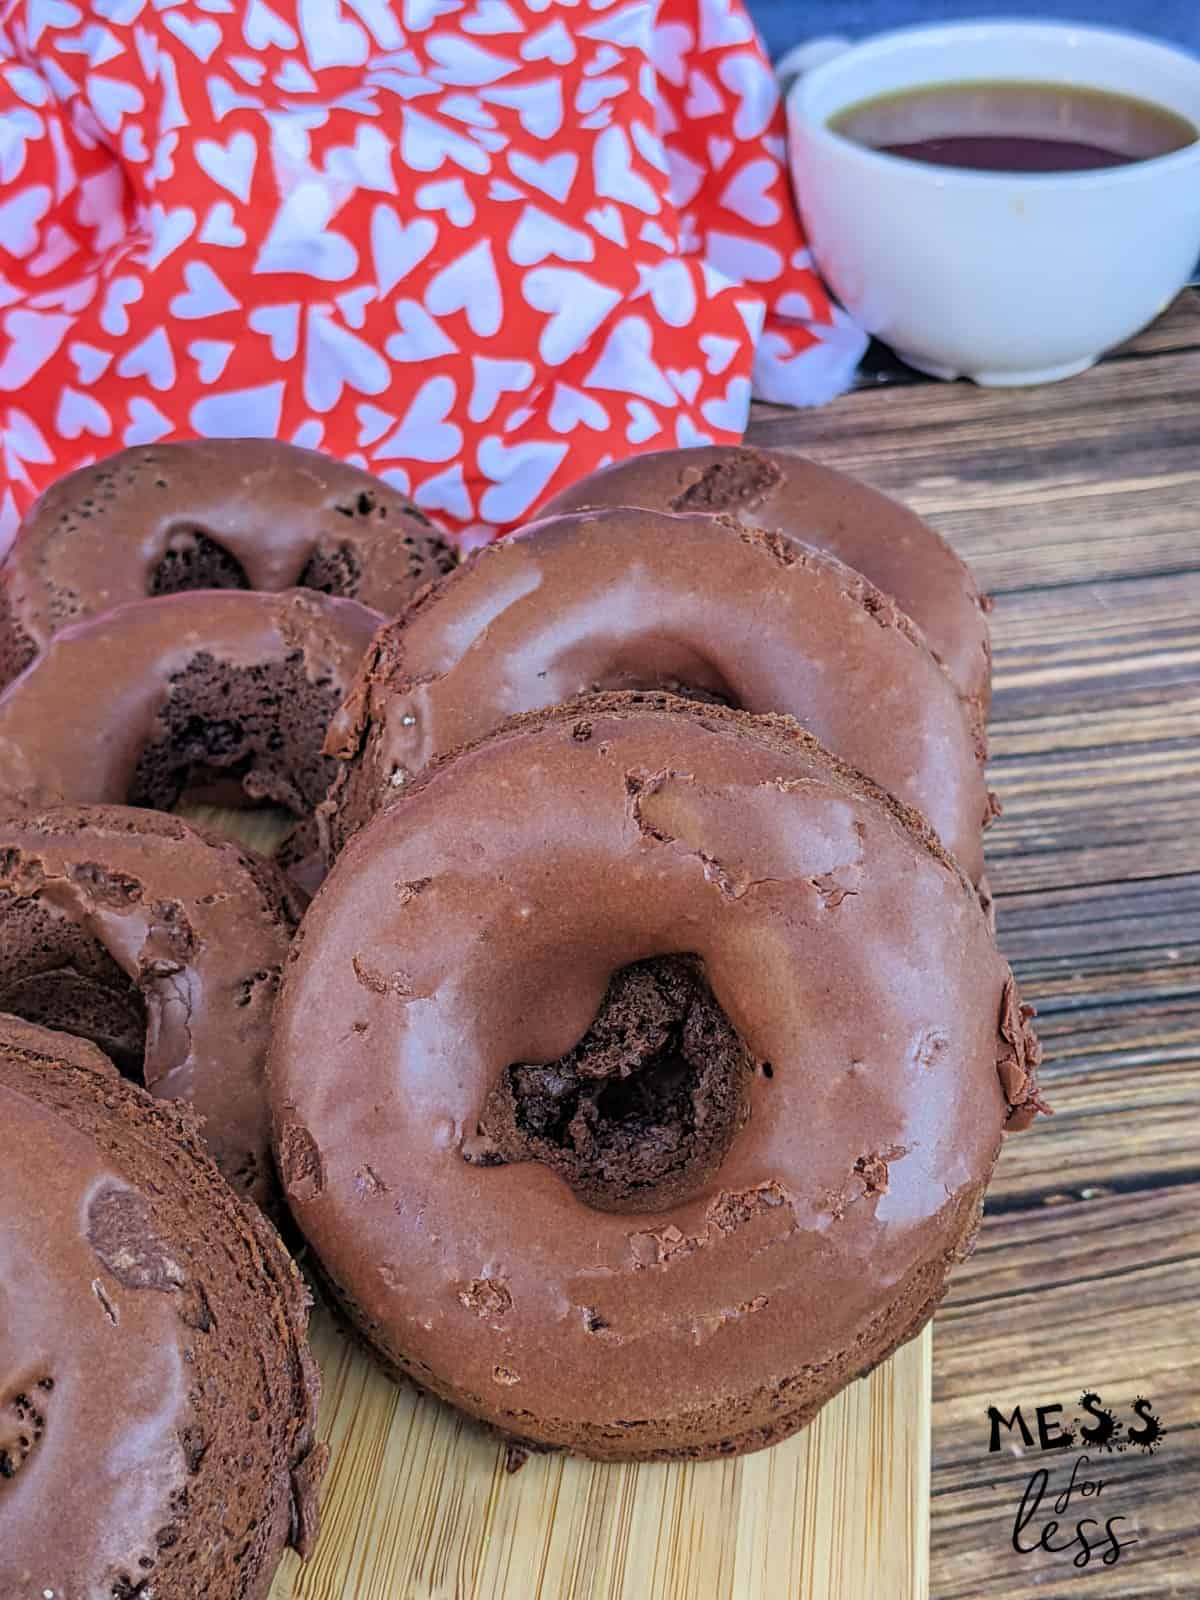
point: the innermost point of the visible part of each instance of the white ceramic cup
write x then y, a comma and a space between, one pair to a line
1006, 279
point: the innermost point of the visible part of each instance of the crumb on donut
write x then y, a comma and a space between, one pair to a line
194, 561
252, 724
744, 478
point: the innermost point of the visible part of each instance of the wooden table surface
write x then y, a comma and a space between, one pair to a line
1078, 506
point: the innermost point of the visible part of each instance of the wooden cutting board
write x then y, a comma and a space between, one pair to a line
418, 1505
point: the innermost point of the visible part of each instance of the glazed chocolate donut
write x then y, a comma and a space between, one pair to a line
782, 490
157, 1397
209, 514
135, 704
162, 945
621, 598
634, 1206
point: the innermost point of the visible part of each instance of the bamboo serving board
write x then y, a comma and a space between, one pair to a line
418, 1506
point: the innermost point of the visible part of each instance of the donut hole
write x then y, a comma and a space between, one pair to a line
641, 1113
680, 672
193, 560
54, 973
247, 735
691, 691
333, 569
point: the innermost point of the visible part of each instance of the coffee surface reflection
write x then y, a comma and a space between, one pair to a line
1015, 127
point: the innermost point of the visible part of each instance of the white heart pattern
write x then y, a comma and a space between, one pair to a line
19, 218
31, 338
447, 491
643, 424
168, 230
571, 407
281, 324
480, 246
626, 364
331, 40
519, 475
239, 413
232, 164
301, 240
90, 363
553, 176
206, 295
450, 196
211, 357
538, 236
146, 423
220, 229
372, 423
152, 359
577, 305
424, 434
731, 410
264, 27
420, 337
81, 413
396, 248
491, 380
469, 284
336, 358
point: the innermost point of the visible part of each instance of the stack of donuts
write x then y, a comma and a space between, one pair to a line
634, 1073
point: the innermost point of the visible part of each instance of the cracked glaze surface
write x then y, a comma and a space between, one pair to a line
621, 599
477, 924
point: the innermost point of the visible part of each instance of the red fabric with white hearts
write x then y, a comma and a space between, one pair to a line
479, 246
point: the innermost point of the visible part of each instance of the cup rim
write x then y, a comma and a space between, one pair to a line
942, 177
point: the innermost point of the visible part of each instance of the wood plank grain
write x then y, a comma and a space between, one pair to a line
1096, 717
1177, 329
1101, 1294
1079, 505
1092, 936
1094, 478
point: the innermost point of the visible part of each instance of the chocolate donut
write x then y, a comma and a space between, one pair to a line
638, 1079
132, 706
782, 490
162, 945
157, 1397
622, 598
209, 514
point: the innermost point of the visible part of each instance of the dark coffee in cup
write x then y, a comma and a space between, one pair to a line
1015, 127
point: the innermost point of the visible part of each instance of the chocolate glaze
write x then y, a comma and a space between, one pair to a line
621, 598
480, 923
127, 707
209, 514
161, 943
783, 490
157, 1397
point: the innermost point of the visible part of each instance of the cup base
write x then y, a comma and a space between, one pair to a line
1002, 379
